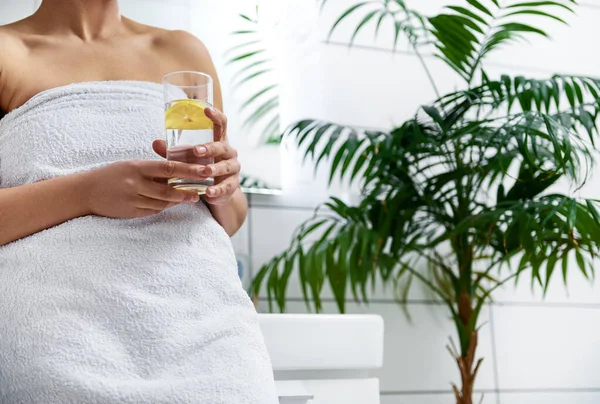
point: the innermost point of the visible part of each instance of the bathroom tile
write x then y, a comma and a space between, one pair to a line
578, 290
550, 398
547, 347
366, 105
271, 230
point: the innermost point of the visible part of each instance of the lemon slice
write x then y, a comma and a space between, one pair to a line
187, 115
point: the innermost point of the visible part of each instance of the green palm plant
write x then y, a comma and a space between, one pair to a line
254, 74
462, 197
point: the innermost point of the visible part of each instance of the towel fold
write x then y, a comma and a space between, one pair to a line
106, 311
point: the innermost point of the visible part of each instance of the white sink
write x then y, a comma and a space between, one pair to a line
323, 342
327, 357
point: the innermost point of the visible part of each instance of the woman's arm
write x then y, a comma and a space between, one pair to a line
232, 214
124, 190
31, 208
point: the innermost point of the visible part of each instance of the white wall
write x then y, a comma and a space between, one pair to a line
536, 351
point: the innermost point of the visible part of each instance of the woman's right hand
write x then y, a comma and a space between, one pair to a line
132, 189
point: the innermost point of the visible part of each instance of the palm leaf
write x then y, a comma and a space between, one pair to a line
375, 13
466, 35
253, 66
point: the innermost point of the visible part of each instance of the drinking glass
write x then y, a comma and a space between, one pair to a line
187, 94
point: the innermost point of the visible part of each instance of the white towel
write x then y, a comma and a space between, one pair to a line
107, 311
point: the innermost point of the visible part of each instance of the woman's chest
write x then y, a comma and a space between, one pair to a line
47, 67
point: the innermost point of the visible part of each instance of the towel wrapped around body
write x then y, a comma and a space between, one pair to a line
105, 311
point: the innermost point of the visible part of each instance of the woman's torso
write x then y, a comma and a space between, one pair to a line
143, 310
72, 105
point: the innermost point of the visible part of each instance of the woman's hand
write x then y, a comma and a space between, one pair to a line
226, 167
132, 189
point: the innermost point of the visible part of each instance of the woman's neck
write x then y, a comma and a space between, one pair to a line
86, 19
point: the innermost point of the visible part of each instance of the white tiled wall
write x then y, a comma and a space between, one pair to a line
536, 351
547, 347
539, 397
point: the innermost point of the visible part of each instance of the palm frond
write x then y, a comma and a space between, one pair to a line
572, 100
254, 69
405, 21
465, 36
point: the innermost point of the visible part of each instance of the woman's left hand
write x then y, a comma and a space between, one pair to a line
226, 167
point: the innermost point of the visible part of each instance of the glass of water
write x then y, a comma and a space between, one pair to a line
187, 94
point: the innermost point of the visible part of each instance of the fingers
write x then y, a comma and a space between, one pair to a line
225, 188
165, 193
160, 148
170, 169
222, 168
222, 150
220, 121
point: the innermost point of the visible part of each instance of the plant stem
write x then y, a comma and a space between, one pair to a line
467, 366
427, 71
430, 285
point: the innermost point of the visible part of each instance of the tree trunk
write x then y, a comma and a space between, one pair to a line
466, 363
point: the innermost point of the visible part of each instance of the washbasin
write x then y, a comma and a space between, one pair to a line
325, 357
323, 342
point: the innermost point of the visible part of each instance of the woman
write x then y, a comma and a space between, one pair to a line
114, 288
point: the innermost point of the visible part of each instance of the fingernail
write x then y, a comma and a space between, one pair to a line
209, 110
211, 191
201, 150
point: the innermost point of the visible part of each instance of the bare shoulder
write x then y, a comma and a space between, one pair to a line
183, 45
177, 45
191, 54
12, 43
180, 50
11, 37
168, 40
178, 38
